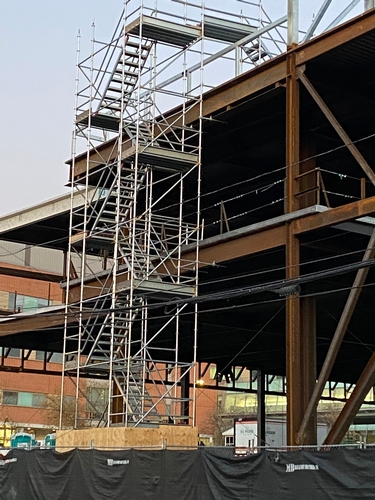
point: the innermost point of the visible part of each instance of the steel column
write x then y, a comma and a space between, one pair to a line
293, 334
292, 135
337, 340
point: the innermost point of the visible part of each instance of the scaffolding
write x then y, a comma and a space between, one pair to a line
136, 163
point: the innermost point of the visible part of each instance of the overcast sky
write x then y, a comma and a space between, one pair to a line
37, 57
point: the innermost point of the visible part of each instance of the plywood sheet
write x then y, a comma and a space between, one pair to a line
128, 437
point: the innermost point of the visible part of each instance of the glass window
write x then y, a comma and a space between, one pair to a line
14, 353
11, 303
10, 398
38, 399
56, 357
98, 396
30, 303
39, 355
212, 372
20, 303
42, 303
229, 440
25, 399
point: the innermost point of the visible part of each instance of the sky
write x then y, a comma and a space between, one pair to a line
37, 85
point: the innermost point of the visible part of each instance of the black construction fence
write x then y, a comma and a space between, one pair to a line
200, 474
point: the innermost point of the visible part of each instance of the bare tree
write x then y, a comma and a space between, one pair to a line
52, 403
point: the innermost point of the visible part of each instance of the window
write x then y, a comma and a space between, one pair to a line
20, 303
10, 398
12, 353
98, 396
212, 372
23, 399
38, 400
229, 440
56, 357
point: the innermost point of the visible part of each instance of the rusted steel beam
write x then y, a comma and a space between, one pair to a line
365, 383
338, 128
239, 88
335, 37
239, 247
334, 216
337, 339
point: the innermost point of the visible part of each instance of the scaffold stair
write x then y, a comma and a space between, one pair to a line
125, 75
114, 332
143, 131
139, 404
116, 208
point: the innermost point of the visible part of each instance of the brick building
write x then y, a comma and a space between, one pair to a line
28, 393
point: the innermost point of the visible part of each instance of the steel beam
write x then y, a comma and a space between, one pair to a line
338, 128
340, 35
236, 248
365, 383
338, 337
334, 216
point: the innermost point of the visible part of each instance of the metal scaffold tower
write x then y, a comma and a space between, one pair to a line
139, 117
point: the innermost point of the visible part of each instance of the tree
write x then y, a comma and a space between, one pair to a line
52, 403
